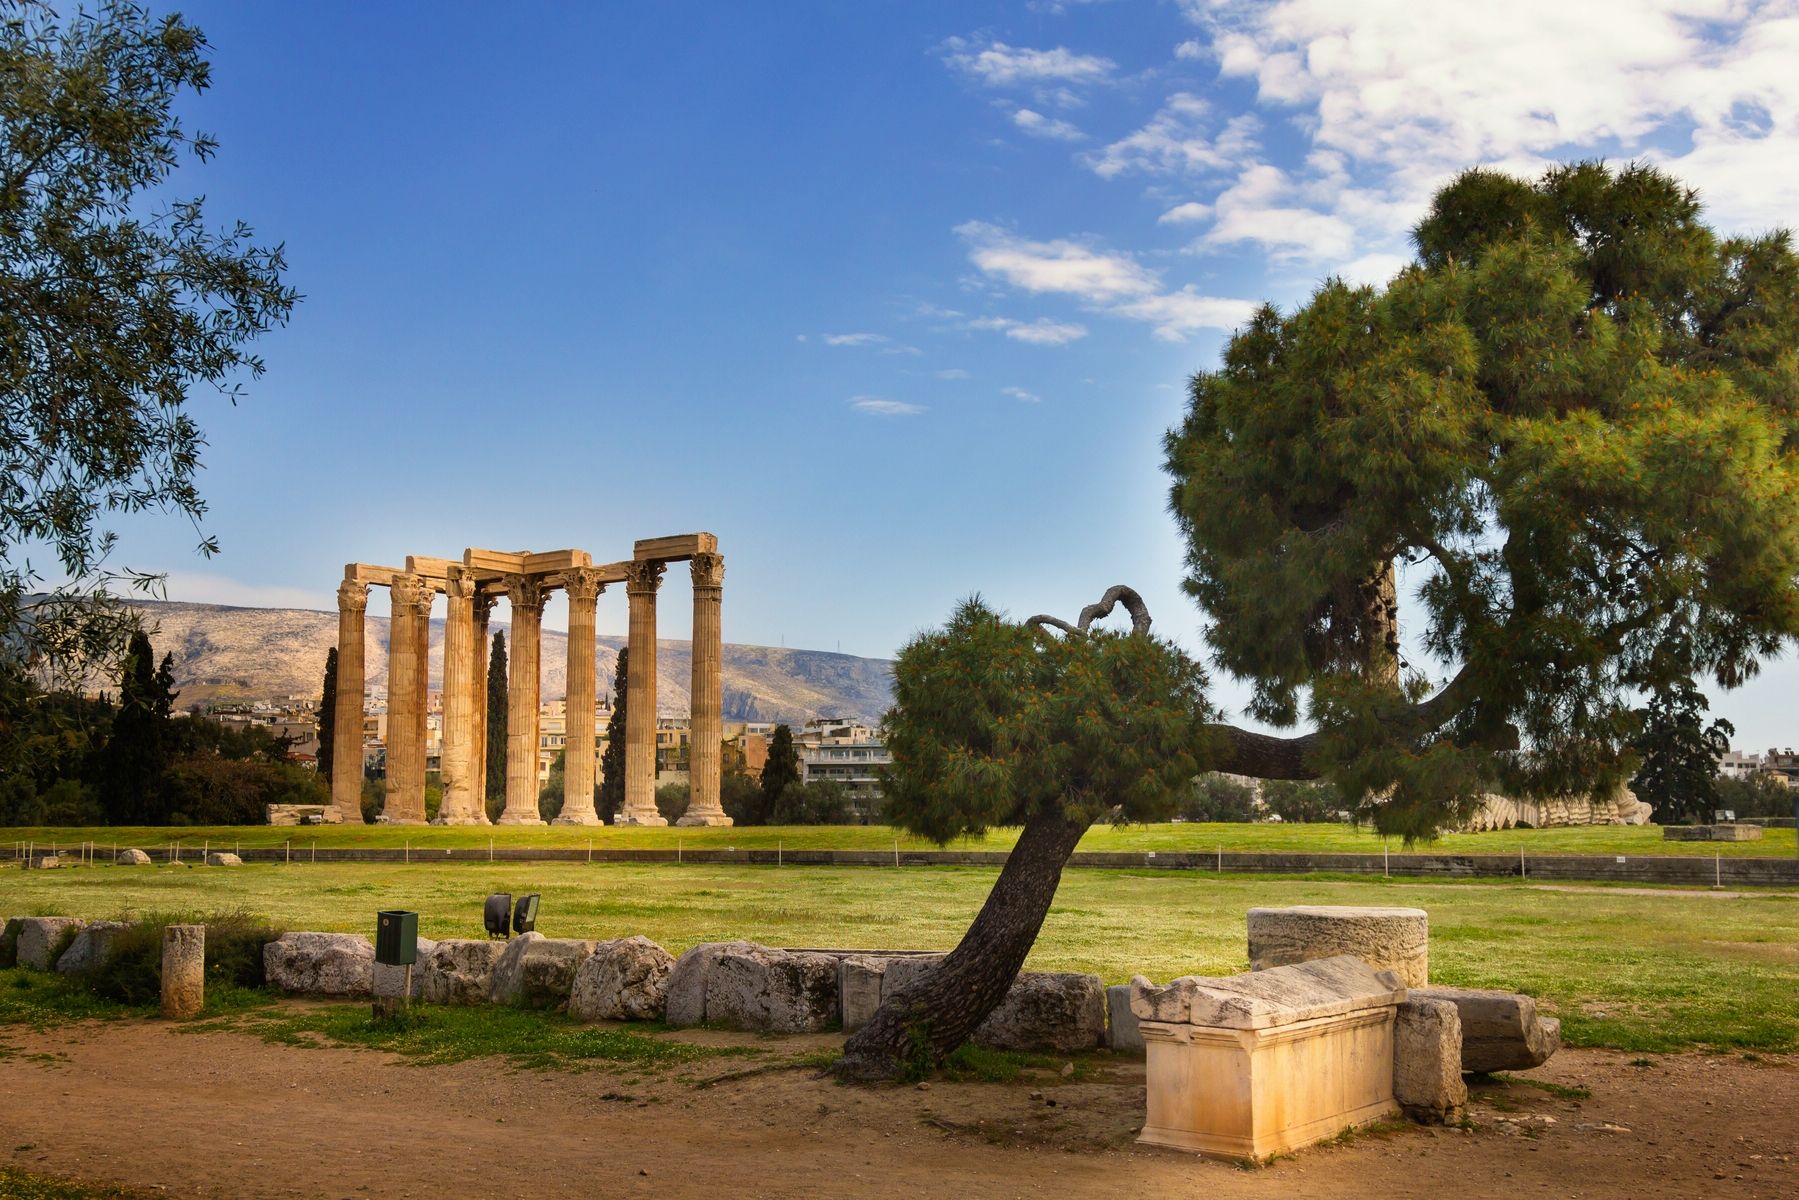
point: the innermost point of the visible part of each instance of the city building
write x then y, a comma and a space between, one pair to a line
844, 751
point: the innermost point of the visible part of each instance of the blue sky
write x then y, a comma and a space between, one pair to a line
897, 299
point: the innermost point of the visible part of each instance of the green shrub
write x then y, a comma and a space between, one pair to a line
132, 974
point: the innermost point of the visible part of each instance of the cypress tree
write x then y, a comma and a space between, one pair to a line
496, 721
137, 754
612, 762
781, 771
328, 716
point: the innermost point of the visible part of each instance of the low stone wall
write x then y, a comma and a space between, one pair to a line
1677, 870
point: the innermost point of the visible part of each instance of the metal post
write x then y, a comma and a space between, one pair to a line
896, 852
1221, 858
590, 852
780, 852
1386, 869
1717, 869
1521, 860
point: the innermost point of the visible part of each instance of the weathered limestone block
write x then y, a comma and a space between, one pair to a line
1393, 939
538, 972
41, 939
321, 964
1711, 833
1501, 1030
776, 991
388, 981
47, 862
223, 858
1048, 1011
1051, 1012
685, 996
132, 858
183, 971
859, 978
91, 947
1124, 1033
456, 970
623, 980
1427, 1061
1263, 1063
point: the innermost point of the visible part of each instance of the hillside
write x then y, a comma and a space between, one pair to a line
224, 653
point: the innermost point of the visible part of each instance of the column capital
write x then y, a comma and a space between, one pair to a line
484, 603
527, 592
583, 585
409, 591
460, 584
708, 570
643, 578
352, 596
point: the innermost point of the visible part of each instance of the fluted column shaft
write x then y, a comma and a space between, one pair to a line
405, 803
461, 805
484, 603
707, 725
346, 736
527, 595
584, 587
641, 581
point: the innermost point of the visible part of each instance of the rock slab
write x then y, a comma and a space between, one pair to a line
321, 964
91, 948
1391, 939
859, 979
741, 985
1124, 1033
538, 972
132, 858
41, 940
184, 971
1052, 1012
223, 858
1501, 1031
388, 981
1427, 1061
623, 980
456, 970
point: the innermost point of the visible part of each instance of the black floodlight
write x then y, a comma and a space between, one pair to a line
497, 915
524, 917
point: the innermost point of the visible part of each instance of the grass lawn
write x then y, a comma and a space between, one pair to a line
1321, 839
1650, 971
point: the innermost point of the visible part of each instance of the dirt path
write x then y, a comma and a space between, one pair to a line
226, 1115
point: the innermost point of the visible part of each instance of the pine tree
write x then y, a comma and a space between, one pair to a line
496, 722
328, 717
781, 771
612, 763
137, 754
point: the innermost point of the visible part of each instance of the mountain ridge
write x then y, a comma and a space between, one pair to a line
232, 652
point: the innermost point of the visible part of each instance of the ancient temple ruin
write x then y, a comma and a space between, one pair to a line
472, 586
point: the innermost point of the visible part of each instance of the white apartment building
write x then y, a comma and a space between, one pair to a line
844, 751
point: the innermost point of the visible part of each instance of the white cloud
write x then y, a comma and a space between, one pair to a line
953, 373
876, 406
1180, 139
1255, 209
1041, 332
1018, 393
854, 339
1105, 281
998, 65
1062, 266
1038, 125
1182, 214
1376, 268
1704, 88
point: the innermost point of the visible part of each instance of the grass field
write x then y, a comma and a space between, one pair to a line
1650, 971
1319, 839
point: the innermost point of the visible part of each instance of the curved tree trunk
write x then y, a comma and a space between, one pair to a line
916, 1028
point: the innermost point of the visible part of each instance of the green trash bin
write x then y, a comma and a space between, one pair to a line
396, 938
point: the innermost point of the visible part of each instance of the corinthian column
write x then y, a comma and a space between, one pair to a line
405, 803
528, 595
641, 581
484, 602
584, 587
461, 802
346, 736
703, 806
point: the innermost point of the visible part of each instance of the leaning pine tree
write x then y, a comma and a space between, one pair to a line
1573, 422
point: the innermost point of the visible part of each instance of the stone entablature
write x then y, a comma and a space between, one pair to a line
472, 585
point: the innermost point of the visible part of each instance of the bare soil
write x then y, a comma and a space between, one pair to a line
226, 1115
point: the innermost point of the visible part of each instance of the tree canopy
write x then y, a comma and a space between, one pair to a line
1572, 422
115, 299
